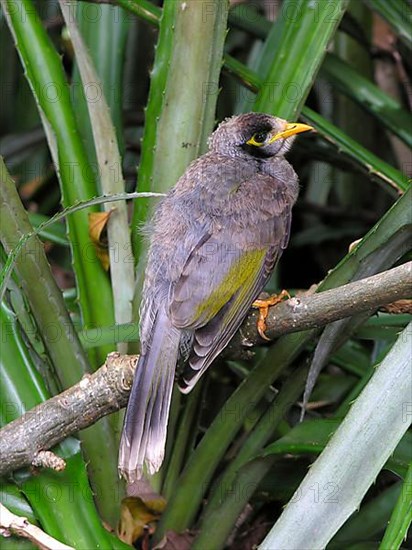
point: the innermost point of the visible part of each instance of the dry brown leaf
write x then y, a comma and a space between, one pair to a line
98, 235
138, 517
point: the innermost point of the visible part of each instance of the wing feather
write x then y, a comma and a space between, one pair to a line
211, 339
219, 282
221, 278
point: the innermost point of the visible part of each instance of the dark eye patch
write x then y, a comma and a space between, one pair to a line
255, 145
259, 134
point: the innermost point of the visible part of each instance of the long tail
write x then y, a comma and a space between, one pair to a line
145, 426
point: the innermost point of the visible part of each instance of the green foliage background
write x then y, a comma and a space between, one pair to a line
142, 85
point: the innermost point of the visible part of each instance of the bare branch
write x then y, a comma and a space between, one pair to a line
39, 429
10, 524
107, 390
317, 310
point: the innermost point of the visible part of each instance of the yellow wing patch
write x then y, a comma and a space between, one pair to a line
239, 278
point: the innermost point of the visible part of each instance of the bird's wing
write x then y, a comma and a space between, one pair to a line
220, 280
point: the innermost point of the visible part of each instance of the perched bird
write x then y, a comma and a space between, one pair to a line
215, 239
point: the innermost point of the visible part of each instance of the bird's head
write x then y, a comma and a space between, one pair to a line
255, 135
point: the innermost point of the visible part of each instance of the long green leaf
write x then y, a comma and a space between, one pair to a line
143, 9
368, 522
178, 121
401, 518
108, 157
353, 458
58, 333
104, 36
386, 109
40, 287
230, 495
362, 90
377, 169
312, 436
14, 501
45, 74
294, 51
63, 500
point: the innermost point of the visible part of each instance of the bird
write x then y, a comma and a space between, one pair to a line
215, 238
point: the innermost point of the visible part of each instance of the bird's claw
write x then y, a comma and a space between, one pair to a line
263, 306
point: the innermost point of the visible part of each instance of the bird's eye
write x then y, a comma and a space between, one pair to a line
258, 139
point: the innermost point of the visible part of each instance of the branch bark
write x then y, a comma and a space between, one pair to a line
107, 390
317, 310
10, 524
95, 396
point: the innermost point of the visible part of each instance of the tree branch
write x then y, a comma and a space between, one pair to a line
317, 310
107, 390
10, 524
95, 396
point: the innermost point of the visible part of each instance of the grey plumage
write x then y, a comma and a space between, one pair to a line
215, 240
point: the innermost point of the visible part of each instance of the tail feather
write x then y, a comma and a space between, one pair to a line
145, 426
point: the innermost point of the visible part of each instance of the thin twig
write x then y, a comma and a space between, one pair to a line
10, 524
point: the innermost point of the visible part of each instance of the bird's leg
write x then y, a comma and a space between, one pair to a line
263, 306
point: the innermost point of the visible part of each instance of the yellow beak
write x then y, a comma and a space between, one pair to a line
291, 129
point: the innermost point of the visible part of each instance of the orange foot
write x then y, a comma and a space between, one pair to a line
263, 306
